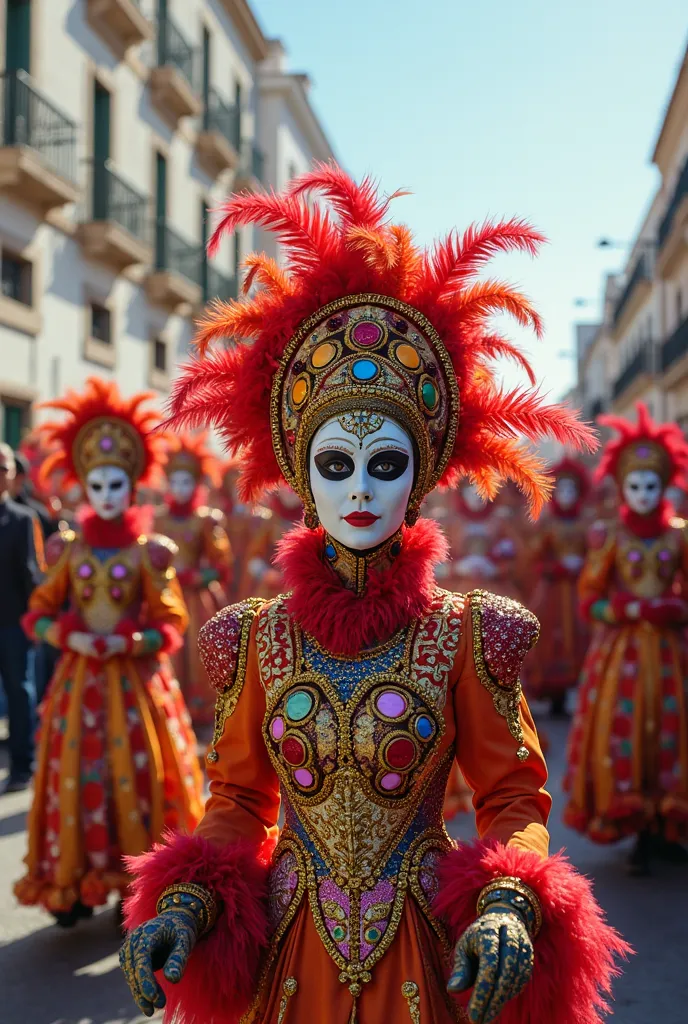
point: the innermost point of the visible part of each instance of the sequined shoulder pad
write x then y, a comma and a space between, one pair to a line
601, 535
56, 546
160, 550
504, 631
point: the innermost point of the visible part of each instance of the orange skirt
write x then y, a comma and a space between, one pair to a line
117, 764
628, 748
556, 662
408, 984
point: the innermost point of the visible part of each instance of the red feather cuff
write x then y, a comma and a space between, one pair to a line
171, 639
575, 950
28, 623
222, 973
66, 623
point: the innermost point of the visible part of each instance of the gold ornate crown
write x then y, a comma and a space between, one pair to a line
644, 454
186, 461
108, 441
360, 358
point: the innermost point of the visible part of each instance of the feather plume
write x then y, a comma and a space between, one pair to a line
356, 205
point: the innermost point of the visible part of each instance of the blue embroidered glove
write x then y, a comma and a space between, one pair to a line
495, 953
185, 913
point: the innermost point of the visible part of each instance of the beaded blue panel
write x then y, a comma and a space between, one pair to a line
345, 675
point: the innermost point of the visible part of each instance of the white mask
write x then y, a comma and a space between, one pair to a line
109, 491
566, 492
182, 485
642, 490
369, 480
473, 501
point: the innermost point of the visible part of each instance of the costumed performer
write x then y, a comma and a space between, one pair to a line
558, 553
628, 749
117, 759
203, 558
360, 373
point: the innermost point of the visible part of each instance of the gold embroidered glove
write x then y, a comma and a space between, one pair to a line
495, 953
185, 914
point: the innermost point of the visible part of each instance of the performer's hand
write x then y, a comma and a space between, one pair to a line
495, 955
163, 943
83, 643
115, 645
633, 610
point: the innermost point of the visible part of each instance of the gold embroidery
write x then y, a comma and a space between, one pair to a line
361, 423
353, 567
289, 989
409, 991
228, 699
274, 643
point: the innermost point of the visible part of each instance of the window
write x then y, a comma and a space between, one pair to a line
16, 278
160, 356
15, 419
101, 323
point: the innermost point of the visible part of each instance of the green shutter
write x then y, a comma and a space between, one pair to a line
18, 35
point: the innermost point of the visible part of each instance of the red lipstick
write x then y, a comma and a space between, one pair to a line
361, 519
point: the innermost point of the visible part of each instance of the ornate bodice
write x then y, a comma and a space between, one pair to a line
566, 537
646, 568
188, 533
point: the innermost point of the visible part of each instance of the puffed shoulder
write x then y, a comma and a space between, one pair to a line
160, 550
600, 534
503, 633
56, 545
223, 641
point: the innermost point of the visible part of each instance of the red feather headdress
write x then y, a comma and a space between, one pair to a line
103, 428
191, 452
353, 250
644, 445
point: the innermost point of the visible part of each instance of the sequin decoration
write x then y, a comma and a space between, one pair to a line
509, 631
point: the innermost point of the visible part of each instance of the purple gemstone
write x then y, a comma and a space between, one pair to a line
664, 555
118, 572
366, 333
634, 556
642, 451
106, 444
401, 326
335, 322
85, 571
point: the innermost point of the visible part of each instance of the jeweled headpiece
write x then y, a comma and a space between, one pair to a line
102, 429
190, 452
660, 447
362, 323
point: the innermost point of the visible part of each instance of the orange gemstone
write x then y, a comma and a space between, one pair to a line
407, 356
323, 355
299, 393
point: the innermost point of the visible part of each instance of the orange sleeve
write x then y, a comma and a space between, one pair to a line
49, 596
510, 801
216, 546
160, 586
244, 790
595, 576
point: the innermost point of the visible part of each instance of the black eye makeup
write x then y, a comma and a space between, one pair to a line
334, 465
388, 465
96, 487
116, 485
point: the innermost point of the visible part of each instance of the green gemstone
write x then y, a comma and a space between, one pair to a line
429, 394
299, 705
338, 933
372, 935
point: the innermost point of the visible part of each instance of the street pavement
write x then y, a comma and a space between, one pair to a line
51, 976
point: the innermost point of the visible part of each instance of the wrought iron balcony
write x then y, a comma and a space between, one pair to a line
641, 363
680, 193
177, 275
251, 170
38, 154
642, 274
219, 139
676, 346
217, 285
118, 231
173, 81
120, 22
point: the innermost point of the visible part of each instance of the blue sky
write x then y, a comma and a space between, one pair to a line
540, 108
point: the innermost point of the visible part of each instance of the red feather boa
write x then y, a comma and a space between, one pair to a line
115, 533
220, 978
342, 621
576, 949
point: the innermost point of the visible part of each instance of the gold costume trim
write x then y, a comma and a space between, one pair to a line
517, 885
409, 991
289, 989
226, 703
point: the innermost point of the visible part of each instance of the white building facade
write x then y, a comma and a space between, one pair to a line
123, 122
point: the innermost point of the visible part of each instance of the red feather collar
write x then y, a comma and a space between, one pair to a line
395, 594
118, 533
649, 526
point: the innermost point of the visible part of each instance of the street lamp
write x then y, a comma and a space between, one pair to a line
610, 243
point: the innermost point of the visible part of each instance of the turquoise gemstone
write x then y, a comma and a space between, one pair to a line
330, 552
364, 369
425, 727
299, 705
429, 393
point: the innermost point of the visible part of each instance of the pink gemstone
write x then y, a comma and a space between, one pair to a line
391, 705
390, 781
277, 729
118, 572
116, 593
366, 333
303, 777
87, 592
106, 444
85, 571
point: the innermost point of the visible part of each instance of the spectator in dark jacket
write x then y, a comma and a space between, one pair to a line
21, 552
20, 493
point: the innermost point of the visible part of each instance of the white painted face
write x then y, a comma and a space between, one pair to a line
474, 502
642, 490
566, 492
361, 487
109, 491
182, 485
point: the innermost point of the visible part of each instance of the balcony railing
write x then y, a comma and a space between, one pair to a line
113, 199
223, 117
172, 252
174, 49
675, 346
252, 161
28, 119
641, 272
641, 363
217, 285
680, 193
